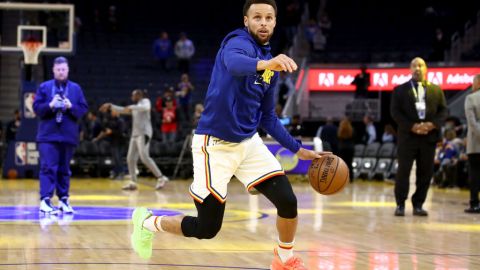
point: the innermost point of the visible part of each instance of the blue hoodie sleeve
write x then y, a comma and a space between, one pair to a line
80, 107
237, 57
272, 125
41, 105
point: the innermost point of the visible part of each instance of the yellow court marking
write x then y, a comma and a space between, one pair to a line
453, 227
364, 204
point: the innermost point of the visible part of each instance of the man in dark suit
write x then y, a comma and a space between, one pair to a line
419, 108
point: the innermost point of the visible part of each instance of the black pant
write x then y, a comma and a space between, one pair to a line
346, 152
117, 151
474, 175
422, 151
208, 221
184, 65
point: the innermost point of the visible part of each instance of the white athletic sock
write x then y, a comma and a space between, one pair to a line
153, 224
285, 250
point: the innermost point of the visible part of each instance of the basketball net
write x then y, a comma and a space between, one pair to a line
31, 50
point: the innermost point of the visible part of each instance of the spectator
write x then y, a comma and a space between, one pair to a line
439, 46
169, 122
160, 102
162, 50
112, 19
184, 93
370, 132
362, 82
311, 29
446, 160
325, 24
12, 127
329, 133
197, 114
346, 147
285, 88
292, 19
115, 133
184, 50
93, 127
296, 128
389, 134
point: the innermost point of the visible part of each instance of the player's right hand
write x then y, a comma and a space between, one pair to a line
306, 154
280, 62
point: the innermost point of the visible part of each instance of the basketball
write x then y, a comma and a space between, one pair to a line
12, 174
328, 174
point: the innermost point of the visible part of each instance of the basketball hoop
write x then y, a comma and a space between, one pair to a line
31, 50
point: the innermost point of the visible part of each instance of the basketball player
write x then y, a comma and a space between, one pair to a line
59, 104
240, 98
140, 140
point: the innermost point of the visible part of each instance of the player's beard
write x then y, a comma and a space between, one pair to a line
258, 39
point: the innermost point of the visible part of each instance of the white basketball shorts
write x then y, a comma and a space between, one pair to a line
215, 161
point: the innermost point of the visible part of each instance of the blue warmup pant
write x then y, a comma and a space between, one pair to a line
55, 168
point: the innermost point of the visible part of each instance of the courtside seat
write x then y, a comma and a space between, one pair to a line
369, 160
357, 159
384, 161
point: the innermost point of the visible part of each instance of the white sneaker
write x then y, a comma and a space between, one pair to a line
130, 186
47, 207
161, 181
65, 207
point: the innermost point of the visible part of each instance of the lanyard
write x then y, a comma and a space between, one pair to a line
417, 98
56, 90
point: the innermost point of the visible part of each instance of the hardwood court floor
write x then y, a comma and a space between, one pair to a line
352, 230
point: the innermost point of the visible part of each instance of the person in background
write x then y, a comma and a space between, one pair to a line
472, 113
169, 121
114, 131
296, 128
419, 123
346, 146
197, 114
184, 93
446, 160
162, 50
140, 138
370, 131
389, 134
362, 82
184, 50
59, 105
329, 134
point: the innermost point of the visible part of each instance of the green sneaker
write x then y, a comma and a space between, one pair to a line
141, 238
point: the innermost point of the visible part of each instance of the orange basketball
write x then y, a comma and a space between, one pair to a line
328, 174
12, 174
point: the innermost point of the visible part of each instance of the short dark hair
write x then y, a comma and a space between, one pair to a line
248, 3
60, 60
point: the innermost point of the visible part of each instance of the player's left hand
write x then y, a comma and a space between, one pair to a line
67, 103
306, 154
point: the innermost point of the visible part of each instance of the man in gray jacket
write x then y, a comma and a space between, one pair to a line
140, 138
472, 113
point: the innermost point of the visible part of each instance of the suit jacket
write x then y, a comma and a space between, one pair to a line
472, 113
48, 129
403, 111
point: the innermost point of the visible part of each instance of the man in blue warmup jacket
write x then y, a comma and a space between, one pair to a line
240, 98
59, 104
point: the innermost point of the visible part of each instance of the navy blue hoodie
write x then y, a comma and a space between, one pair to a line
48, 129
240, 99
